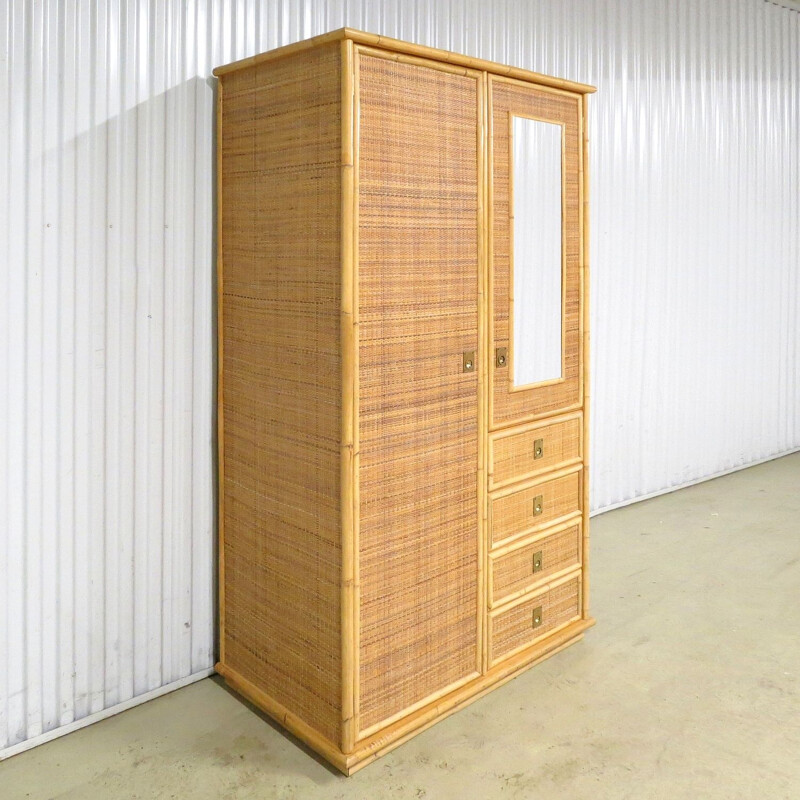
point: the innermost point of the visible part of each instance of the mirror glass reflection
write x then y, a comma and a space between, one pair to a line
537, 292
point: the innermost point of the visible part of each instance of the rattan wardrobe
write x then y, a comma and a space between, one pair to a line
401, 529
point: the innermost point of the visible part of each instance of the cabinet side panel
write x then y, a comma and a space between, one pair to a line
281, 381
418, 407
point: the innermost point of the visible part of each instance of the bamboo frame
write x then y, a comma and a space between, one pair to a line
349, 334
220, 395
355, 747
356, 116
483, 382
585, 320
396, 45
485, 363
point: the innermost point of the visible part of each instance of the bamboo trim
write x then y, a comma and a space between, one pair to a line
280, 52
483, 367
553, 419
356, 678
510, 365
426, 701
530, 589
361, 37
490, 253
585, 286
564, 519
220, 394
543, 589
519, 544
402, 58
520, 486
553, 582
348, 337
564, 92
546, 416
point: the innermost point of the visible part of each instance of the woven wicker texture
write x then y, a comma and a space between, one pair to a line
509, 99
514, 629
514, 571
281, 381
514, 456
514, 513
418, 426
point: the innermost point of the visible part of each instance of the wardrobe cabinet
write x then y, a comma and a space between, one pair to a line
403, 369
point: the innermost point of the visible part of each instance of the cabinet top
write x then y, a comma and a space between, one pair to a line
360, 37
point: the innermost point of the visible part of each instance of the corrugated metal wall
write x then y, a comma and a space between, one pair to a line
106, 290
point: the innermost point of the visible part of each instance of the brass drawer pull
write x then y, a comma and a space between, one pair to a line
501, 356
538, 448
537, 617
538, 505
468, 361
537, 561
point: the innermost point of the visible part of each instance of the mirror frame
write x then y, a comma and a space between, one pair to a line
513, 387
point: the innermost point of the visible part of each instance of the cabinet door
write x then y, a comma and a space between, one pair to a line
535, 249
418, 179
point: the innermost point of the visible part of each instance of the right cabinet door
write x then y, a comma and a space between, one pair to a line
535, 232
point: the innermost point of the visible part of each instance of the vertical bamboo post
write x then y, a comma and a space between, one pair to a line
220, 395
483, 362
585, 274
348, 345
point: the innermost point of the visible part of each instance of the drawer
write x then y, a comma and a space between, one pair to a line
534, 507
534, 616
534, 449
534, 561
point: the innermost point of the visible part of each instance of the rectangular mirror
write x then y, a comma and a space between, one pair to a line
536, 301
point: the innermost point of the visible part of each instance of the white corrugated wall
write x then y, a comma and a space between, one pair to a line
107, 288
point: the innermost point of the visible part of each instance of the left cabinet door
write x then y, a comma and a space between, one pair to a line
418, 250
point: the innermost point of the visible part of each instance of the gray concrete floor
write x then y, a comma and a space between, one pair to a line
688, 687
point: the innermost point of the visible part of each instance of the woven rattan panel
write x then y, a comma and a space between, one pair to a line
514, 571
516, 99
281, 381
418, 428
514, 629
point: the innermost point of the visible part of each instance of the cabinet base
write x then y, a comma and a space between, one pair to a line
381, 742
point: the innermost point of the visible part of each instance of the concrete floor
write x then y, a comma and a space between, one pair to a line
688, 687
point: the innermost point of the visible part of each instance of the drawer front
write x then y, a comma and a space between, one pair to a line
540, 614
521, 455
535, 507
526, 566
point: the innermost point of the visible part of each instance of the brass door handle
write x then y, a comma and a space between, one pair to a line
501, 356
468, 361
